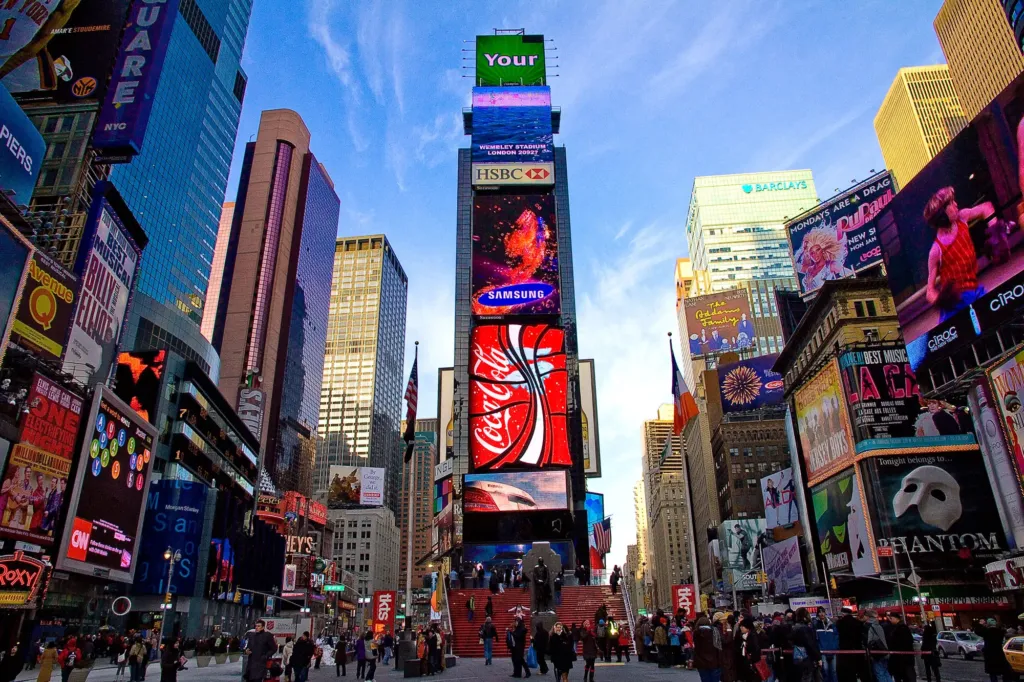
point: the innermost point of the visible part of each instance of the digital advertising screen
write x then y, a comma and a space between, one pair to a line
523, 526
175, 511
750, 384
517, 397
14, 267
838, 238
60, 51
886, 407
515, 256
355, 486
515, 492
842, 525
510, 555
512, 125
109, 496
44, 313
823, 424
510, 60
595, 514
109, 261
719, 322
935, 505
138, 379
35, 481
952, 241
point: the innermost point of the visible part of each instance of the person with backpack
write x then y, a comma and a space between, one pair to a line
136, 660
601, 633
707, 651
70, 657
661, 643
877, 645
806, 653
470, 608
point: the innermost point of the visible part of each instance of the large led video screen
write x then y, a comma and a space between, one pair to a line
109, 497
518, 527
515, 491
510, 60
515, 255
719, 322
938, 505
517, 397
508, 555
138, 380
838, 238
350, 486
750, 384
512, 125
952, 241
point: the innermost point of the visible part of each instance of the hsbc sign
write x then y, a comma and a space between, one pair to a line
513, 174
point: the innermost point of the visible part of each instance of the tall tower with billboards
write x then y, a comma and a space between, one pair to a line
516, 387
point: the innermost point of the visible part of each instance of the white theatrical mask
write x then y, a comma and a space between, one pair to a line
935, 494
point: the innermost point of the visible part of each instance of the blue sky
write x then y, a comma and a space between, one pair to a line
652, 94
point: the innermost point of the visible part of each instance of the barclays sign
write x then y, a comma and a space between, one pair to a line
774, 186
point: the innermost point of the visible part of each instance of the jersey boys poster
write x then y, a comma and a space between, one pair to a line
517, 397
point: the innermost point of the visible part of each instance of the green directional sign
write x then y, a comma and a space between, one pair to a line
334, 588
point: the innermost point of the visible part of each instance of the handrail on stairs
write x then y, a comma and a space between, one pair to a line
630, 618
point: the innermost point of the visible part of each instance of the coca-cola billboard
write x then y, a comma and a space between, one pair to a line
517, 397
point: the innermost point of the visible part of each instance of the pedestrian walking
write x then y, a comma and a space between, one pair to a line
748, 653
725, 624
540, 647
302, 654
10, 665
590, 651
170, 661
318, 654
136, 660
562, 651
996, 665
362, 645
851, 667
487, 635
930, 652
519, 650
470, 608
622, 645
878, 646
46, 662
901, 665
614, 579
806, 653
286, 657
707, 651
341, 655
369, 661
70, 657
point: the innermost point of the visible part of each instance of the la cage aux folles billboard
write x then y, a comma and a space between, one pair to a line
719, 322
939, 507
952, 241
750, 384
886, 407
838, 238
108, 499
515, 256
517, 397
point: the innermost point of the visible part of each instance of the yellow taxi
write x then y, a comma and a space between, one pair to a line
1014, 650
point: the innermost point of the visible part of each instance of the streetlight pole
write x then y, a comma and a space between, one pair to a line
172, 556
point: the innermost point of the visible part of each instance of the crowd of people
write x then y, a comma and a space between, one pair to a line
132, 655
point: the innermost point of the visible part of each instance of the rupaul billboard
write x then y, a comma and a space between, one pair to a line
517, 397
515, 256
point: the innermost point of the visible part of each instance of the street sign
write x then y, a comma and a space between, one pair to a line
334, 588
892, 576
914, 578
885, 551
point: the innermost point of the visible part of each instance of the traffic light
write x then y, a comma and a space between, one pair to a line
832, 582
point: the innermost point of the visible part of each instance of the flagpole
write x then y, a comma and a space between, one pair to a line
412, 504
689, 500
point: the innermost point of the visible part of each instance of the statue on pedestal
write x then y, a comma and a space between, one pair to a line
541, 564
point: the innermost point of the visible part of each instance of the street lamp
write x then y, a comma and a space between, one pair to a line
171, 556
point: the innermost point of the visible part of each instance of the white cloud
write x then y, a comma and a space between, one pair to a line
338, 58
623, 321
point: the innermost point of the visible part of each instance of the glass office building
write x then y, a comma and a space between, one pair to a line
175, 187
361, 393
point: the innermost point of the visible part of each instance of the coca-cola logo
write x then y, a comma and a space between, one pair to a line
517, 396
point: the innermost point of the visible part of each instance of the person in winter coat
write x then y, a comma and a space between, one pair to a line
137, 658
930, 651
46, 662
369, 660
850, 667
748, 652
11, 664
286, 657
488, 633
169, 660
622, 646
707, 651
494, 583
661, 642
560, 648
519, 650
901, 666
70, 657
259, 648
726, 625
540, 647
590, 651
362, 652
996, 665
804, 637
489, 608
302, 654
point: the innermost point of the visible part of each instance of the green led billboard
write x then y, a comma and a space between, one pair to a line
510, 60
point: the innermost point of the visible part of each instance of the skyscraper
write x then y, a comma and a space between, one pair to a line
220, 251
980, 47
920, 114
271, 327
176, 186
424, 455
361, 394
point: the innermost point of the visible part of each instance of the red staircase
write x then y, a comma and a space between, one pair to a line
578, 604
466, 642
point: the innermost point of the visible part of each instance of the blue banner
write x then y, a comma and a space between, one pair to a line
750, 384
121, 127
22, 150
174, 518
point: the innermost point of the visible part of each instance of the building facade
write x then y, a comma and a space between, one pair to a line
983, 53
176, 186
220, 251
418, 490
272, 316
1014, 11
920, 114
361, 391
366, 544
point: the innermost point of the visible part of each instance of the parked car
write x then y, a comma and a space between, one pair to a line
1014, 650
960, 643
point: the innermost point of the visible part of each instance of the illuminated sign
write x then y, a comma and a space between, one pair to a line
513, 174
510, 60
517, 397
778, 186
515, 492
750, 384
384, 607
20, 579
46, 306
719, 322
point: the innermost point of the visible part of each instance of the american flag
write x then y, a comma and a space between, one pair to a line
603, 536
411, 398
